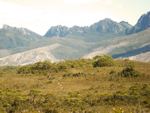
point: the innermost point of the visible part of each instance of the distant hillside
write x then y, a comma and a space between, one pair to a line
125, 46
134, 52
143, 57
30, 57
69, 48
12, 37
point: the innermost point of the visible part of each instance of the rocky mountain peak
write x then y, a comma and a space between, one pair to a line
142, 24
7, 27
103, 26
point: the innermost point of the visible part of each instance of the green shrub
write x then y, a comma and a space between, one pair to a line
24, 70
102, 61
129, 71
37, 68
42, 65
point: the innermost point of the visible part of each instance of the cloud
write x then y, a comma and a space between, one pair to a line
79, 2
88, 2
108, 2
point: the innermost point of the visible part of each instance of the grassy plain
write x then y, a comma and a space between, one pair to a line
75, 87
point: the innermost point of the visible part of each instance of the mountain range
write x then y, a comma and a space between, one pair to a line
102, 27
20, 46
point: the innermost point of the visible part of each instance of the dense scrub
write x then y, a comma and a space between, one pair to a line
76, 86
14, 102
47, 67
102, 61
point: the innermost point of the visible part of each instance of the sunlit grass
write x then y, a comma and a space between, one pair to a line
85, 89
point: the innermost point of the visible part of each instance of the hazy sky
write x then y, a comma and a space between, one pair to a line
39, 15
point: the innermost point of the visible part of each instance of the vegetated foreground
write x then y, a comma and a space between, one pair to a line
100, 85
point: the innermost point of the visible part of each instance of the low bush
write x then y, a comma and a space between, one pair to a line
129, 71
37, 68
102, 61
47, 67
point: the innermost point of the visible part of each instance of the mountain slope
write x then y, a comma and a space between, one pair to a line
143, 57
12, 37
31, 56
143, 49
120, 46
142, 24
62, 48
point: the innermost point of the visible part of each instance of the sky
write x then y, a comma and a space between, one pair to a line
40, 15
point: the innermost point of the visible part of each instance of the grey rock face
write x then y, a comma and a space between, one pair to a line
142, 24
